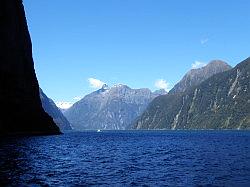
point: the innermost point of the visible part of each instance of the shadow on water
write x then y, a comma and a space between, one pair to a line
15, 160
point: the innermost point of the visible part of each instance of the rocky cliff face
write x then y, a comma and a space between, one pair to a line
109, 108
50, 107
220, 102
19, 92
196, 76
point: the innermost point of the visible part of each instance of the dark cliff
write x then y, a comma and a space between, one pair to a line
22, 112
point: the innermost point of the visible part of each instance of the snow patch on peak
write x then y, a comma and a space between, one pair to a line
64, 104
105, 87
119, 85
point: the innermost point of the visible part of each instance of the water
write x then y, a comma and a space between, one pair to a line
128, 158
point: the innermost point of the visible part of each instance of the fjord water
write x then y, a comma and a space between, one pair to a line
128, 158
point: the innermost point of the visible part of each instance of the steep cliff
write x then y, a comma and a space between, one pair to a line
22, 112
50, 107
220, 102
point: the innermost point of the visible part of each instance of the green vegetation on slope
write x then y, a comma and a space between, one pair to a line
220, 102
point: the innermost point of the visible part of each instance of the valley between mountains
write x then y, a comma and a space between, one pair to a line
215, 96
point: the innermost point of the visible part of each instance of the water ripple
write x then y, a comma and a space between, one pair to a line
128, 158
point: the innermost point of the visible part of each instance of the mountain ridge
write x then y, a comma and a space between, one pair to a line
195, 76
220, 102
52, 110
109, 108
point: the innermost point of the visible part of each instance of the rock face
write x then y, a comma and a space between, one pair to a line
220, 102
109, 108
195, 76
50, 107
19, 91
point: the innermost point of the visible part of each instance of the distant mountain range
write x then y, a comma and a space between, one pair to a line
213, 97
112, 108
219, 101
50, 107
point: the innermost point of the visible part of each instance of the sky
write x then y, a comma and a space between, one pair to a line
80, 45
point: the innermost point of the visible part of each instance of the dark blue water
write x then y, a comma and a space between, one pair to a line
128, 158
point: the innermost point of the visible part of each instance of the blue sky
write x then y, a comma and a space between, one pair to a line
134, 42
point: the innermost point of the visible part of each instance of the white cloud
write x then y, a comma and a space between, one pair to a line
162, 84
95, 83
204, 41
63, 104
198, 64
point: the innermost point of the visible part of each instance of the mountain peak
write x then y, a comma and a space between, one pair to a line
196, 76
105, 87
218, 63
216, 103
120, 85
113, 108
160, 92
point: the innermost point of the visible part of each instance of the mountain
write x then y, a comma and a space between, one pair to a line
220, 102
22, 111
160, 92
195, 76
109, 108
50, 107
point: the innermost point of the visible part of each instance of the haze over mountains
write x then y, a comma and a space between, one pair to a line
220, 102
112, 108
